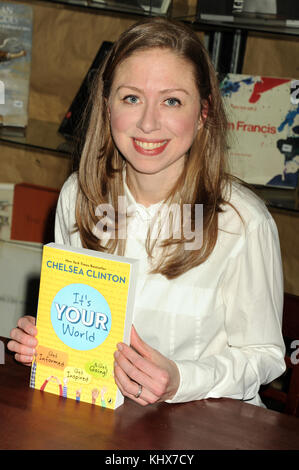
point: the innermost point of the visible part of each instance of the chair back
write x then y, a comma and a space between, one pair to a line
283, 393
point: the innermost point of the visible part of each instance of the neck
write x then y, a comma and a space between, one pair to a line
148, 189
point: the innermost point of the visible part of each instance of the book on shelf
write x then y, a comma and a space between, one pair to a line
94, 2
226, 50
155, 6
6, 205
263, 115
279, 9
27, 212
78, 2
16, 22
262, 12
215, 10
20, 265
150, 6
73, 116
85, 308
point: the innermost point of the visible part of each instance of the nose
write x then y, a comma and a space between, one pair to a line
149, 120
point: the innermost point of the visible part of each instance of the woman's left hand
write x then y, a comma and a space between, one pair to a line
139, 364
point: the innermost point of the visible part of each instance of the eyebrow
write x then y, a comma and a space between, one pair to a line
167, 90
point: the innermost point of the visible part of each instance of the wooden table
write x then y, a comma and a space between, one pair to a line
31, 419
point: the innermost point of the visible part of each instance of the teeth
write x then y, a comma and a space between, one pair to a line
150, 145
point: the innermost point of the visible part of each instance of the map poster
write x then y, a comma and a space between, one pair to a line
264, 129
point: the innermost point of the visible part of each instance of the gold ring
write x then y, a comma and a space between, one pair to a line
139, 391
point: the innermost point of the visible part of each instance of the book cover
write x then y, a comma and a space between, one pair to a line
27, 212
6, 204
85, 308
15, 65
33, 213
264, 129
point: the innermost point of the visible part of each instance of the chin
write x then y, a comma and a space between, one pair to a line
147, 170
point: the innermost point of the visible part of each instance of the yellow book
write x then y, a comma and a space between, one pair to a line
85, 308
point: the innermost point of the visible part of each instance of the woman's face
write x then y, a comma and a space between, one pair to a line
154, 108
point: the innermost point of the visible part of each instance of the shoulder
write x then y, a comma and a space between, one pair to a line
70, 187
244, 210
247, 228
68, 196
68, 192
65, 222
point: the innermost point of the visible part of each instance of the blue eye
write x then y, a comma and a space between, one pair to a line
131, 99
173, 102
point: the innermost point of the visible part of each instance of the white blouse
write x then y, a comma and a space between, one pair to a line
221, 321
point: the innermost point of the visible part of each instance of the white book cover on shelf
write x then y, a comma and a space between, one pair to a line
6, 206
15, 63
264, 129
20, 265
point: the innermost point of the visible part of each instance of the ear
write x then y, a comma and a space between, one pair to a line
204, 111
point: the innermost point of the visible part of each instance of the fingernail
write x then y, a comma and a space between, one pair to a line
120, 347
116, 354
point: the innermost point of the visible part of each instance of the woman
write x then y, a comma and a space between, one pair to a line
207, 320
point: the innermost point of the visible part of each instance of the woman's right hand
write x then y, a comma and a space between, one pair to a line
23, 341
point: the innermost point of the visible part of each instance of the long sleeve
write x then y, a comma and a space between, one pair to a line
252, 291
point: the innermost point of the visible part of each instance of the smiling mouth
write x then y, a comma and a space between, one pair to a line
150, 147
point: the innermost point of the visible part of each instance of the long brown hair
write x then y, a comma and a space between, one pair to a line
204, 178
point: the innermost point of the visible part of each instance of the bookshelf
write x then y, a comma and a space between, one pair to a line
41, 135
132, 7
